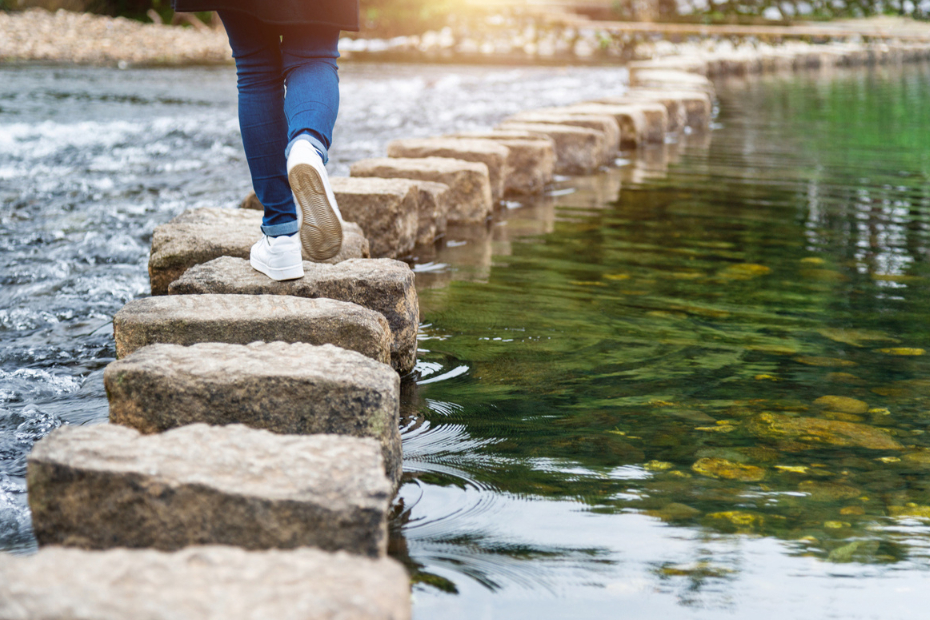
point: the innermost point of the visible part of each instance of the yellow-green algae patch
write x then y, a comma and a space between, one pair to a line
827, 362
902, 351
728, 470
819, 491
853, 337
744, 271
912, 511
815, 430
842, 403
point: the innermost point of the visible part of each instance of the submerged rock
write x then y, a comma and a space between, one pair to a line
293, 389
728, 470
105, 486
902, 351
814, 430
828, 362
675, 512
828, 491
202, 583
842, 404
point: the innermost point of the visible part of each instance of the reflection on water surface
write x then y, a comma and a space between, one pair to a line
696, 384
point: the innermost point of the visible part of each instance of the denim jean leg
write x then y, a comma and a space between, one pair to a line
308, 57
260, 77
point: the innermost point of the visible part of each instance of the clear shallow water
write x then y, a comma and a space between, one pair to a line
698, 391
589, 361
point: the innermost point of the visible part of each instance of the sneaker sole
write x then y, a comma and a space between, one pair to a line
321, 232
278, 274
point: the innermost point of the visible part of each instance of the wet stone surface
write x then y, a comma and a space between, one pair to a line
105, 486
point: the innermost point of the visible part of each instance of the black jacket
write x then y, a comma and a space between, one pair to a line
340, 13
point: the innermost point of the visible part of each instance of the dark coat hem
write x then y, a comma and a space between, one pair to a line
189, 6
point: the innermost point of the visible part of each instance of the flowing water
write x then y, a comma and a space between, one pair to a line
692, 386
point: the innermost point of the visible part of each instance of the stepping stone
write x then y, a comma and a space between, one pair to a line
386, 210
560, 116
679, 63
383, 285
530, 163
432, 205
578, 150
697, 106
242, 319
669, 79
105, 486
204, 583
492, 154
469, 182
297, 389
200, 235
640, 122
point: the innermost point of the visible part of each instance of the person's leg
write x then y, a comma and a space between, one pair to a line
262, 121
308, 56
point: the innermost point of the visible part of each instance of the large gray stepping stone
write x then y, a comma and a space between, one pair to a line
296, 388
202, 583
383, 285
679, 63
433, 207
200, 235
241, 319
469, 182
386, 210
604, 123
578, 150
639, 122
492, 154
530, 162
105, 486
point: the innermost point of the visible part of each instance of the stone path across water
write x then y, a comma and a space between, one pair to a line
324, 478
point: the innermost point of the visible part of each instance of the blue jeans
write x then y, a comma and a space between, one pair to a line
288, 91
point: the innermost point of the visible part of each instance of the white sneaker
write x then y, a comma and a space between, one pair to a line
278, 257
317, 213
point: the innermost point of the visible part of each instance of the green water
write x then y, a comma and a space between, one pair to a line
695, 385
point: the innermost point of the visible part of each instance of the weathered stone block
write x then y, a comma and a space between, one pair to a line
469, 182
492, 154
386, 210
242, 319
561, 116
639, 121
383, 285
697, 106
200, 235
530, 163
298, 389
203, 583
672, 80
674, 108
433, 208
680, 63
578, 150
105, 486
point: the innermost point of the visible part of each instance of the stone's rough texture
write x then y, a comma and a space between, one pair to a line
202, 583
604, 123
469, 182
639, 122
578, 150
386, 210
433, 208
817, 431
488, 152
106, 486
671, 80
531, 161
200, 235
295, 388
695, 108
252, 202
679, 63
382, 285
241, 319
728, 470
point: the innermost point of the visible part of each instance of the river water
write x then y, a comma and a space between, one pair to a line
691, 386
